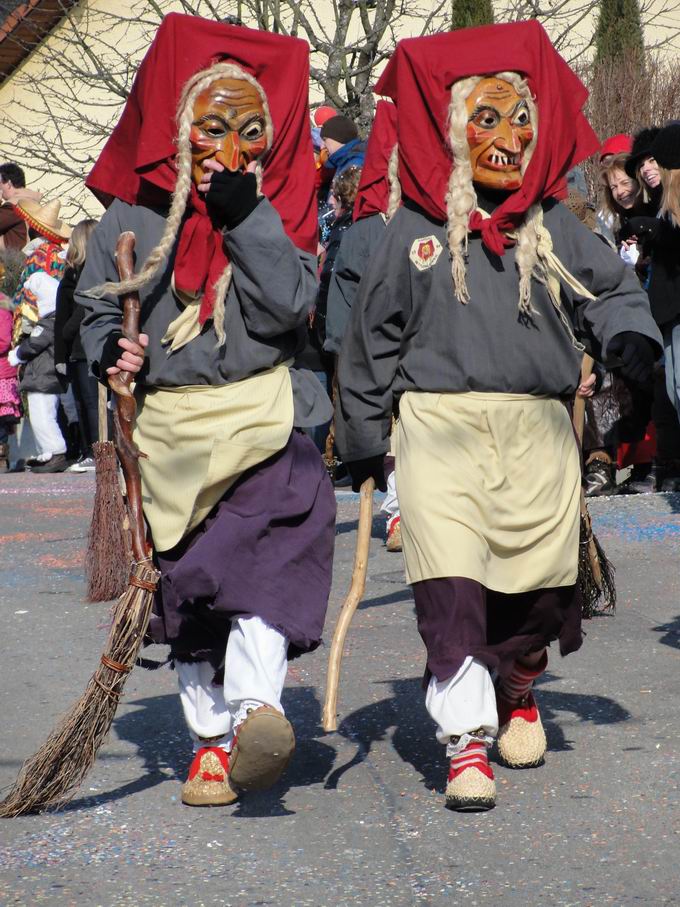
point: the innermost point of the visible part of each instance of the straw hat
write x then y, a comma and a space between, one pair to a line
44, 219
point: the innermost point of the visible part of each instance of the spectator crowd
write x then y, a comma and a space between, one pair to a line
44, 376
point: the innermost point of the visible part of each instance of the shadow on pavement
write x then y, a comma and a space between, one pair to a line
377, 526
671, 632
156, 728
414, 740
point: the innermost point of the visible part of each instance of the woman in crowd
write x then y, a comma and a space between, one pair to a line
69, 355
10, 402
662, 234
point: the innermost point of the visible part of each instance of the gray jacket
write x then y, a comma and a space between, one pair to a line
39, 375
356, 248
408, 332
272, 290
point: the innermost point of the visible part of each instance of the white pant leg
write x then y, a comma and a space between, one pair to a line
205, 710
42, 412
464, 702
390, 505
254, 667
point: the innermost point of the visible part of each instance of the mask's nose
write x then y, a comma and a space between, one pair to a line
230, 152
508, 140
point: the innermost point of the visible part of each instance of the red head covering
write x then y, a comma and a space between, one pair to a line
139, 156
374, 189
617, 144
419, 77
321, 114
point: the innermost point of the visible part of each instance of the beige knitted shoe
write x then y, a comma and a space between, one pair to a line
208, 781
471, 786
521, 739
263, 747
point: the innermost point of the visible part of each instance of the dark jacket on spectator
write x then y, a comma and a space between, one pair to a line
38, 375
67, 343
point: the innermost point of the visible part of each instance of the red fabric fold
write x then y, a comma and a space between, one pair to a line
374, 188
201, 257
419, 77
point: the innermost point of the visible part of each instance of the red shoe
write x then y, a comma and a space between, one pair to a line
521, 738
393, 542
208, 781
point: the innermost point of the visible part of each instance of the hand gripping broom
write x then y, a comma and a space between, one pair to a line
50, 777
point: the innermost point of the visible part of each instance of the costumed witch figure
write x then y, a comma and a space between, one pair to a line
378, 197
211, 167
467, 319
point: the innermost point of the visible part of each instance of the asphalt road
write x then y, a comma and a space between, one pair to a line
359, 817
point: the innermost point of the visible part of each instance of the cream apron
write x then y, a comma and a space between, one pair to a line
199, 440
489, 489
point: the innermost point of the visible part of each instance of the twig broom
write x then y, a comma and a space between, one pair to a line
50, 777
108, 558
595, 571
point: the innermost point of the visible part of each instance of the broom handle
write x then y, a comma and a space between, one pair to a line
102, 413
579, 418
126, 406
329, 718
579, 414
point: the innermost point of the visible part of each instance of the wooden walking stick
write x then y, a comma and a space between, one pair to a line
595, 572
108, 558
50, 777
329, 718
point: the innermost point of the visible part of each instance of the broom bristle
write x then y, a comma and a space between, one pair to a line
108, 559
592, 592
50, 777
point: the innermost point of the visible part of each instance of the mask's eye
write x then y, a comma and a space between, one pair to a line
213, 127
253, 131
487, 118
522, 117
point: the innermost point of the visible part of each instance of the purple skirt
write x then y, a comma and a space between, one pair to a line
265, 550
458, 617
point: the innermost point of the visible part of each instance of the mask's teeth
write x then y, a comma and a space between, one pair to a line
504, 160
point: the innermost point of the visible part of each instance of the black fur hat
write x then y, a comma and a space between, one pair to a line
642, 143
666, 146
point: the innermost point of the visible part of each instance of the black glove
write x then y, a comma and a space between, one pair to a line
637, 354
370, 468
232, 196
642, 227
111, 353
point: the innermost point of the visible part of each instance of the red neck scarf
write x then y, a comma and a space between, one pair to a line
419, 77
374, 188
201, 257
137, 162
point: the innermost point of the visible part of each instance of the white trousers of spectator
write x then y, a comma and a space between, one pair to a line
390, 506
255, 668
463, 703
42, 413
671, 349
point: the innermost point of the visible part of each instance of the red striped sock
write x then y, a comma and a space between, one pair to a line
473, 756
517, 684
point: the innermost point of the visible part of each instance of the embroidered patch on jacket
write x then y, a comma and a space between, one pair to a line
425, 252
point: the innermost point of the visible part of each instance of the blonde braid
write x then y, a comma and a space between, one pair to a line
461, 199
394, 198
159, 255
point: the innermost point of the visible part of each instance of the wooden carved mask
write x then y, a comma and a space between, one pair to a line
499, 130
